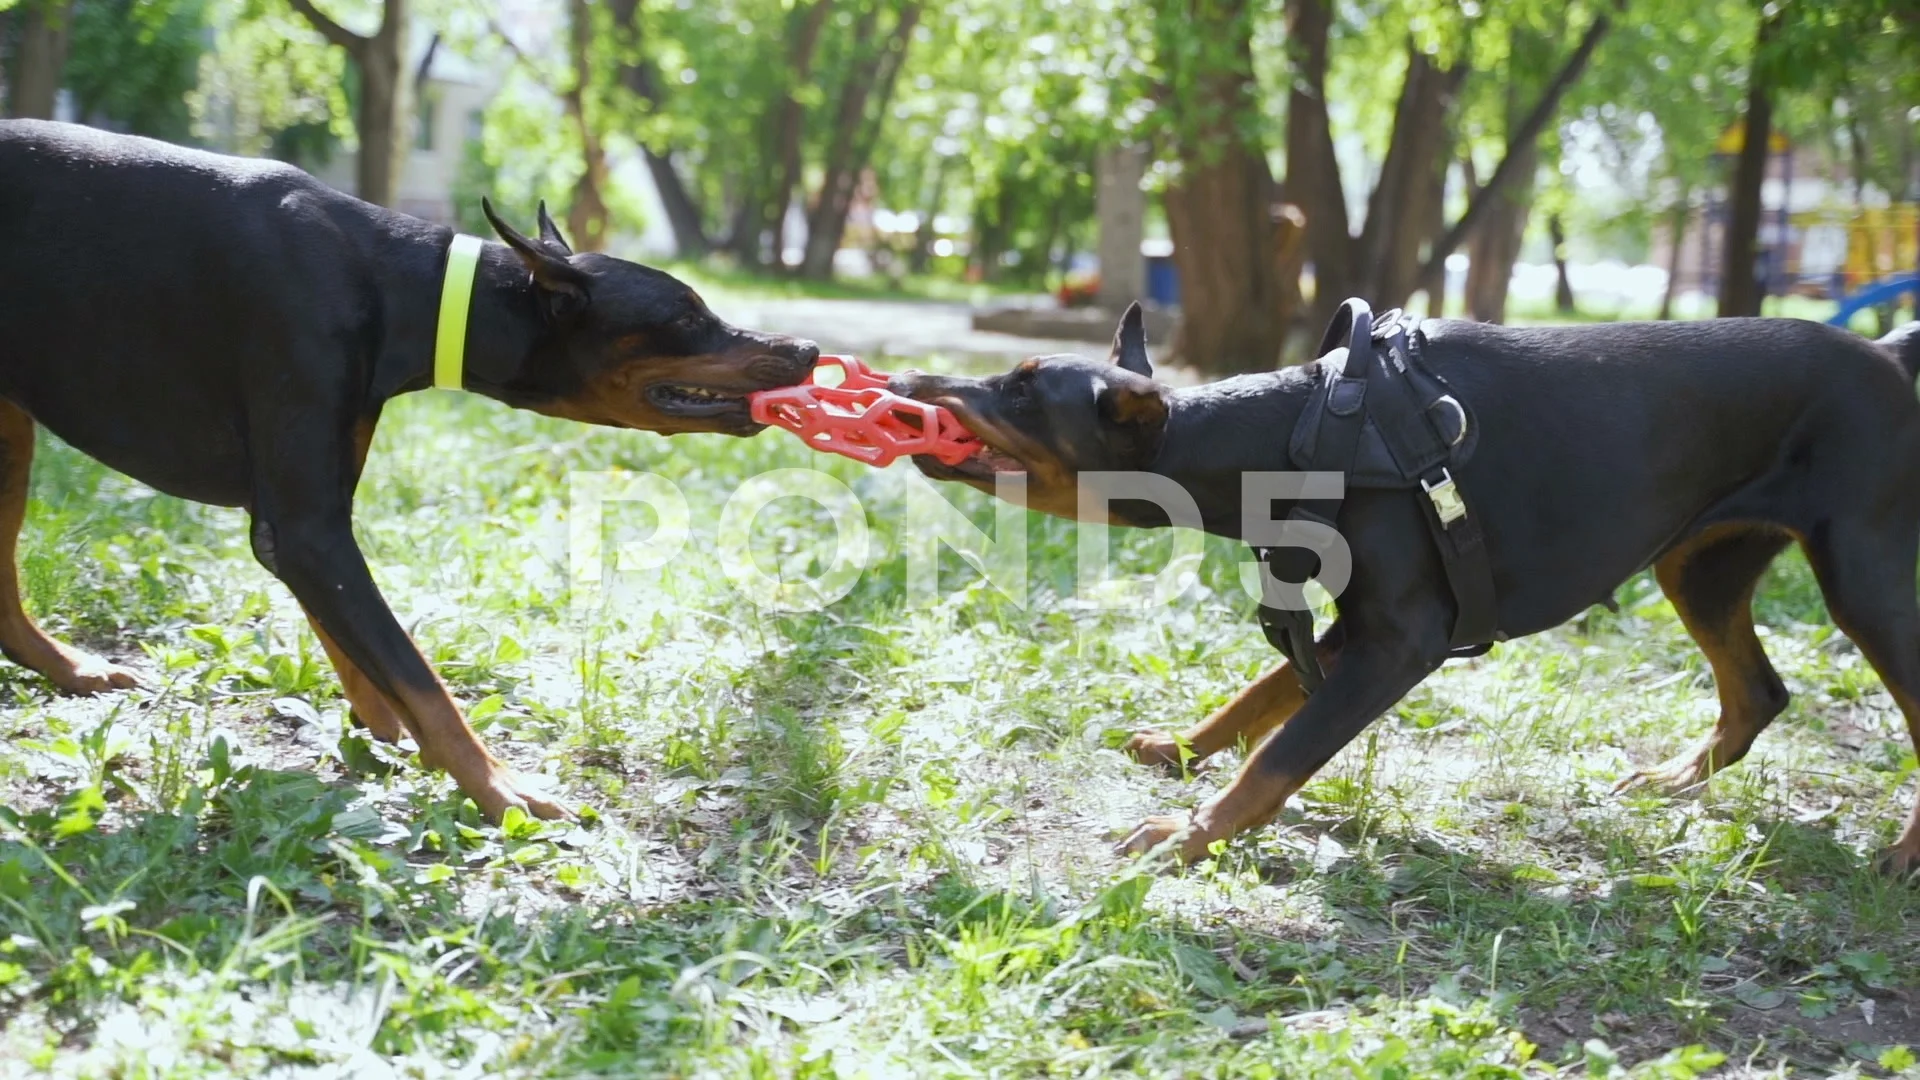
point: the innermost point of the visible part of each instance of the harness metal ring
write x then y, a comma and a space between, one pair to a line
1459, 410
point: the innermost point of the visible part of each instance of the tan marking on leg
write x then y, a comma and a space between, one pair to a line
1253, 799
447, 743
433, 717
1260, 708
1741, 671
1903, 857
72, 670
375, 711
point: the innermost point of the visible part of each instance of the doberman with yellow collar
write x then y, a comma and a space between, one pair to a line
1701, 449
227, 331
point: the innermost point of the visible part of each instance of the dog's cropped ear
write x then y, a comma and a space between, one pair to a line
550, 233
562, 286
1130, 343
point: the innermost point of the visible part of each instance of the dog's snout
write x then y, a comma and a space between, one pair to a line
906, 382
785, 360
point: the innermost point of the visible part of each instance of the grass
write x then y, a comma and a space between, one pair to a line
872, 840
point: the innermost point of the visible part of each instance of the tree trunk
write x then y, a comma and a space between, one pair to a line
1495, 245
1220, 209
1739, 282
1677, 227
1523, 136
1313, 172
683, 214
587, 214
847, 162
992, 217
40, 57
925, 235
1432, 222
636, 75
7, 18
1562, 288
1289, 259
1390, 241
1056, 215
381, 119
383, 109
1223, 247
786, 124
863, 109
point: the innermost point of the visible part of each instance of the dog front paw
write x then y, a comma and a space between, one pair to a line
1157, 749
503, 788
1192, 844
86, 674
1900, 862
1671, 779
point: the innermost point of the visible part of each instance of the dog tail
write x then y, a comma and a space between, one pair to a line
1904, 344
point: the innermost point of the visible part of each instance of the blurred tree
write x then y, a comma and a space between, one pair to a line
1220, 201
587, 213
870, 70
1518, 63
1740, 284
1517, 160
767, 192
383, 94
44, 35
637, 74
1002, 112
269, 84
580, 92
133, 62
1803, 47
1658, 100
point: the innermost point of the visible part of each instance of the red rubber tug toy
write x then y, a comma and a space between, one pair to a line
861, 419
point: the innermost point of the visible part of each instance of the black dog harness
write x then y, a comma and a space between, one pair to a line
1381, 418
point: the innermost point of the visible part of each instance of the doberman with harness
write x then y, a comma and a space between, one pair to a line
228, 330
1497, 482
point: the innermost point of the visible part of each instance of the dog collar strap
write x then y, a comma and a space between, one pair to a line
456, 303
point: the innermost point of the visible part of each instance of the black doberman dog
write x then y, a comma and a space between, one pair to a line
227, 330
1702, 449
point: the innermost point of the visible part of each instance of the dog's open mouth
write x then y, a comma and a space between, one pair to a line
704, 402
981, 468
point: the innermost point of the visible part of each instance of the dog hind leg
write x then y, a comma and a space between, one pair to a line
23, 642
1710, 581
1869, 581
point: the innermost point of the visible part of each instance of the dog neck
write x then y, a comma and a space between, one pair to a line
504, 326
1217, 432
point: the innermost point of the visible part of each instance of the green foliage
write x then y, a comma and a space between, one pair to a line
527, 152
268, 72
135, 61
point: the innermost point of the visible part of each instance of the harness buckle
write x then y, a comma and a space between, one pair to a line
1446, 498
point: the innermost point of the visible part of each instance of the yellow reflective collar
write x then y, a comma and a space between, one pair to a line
456, 303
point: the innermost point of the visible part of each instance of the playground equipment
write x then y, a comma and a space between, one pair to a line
1880, 292
1878, 256
1859, 256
